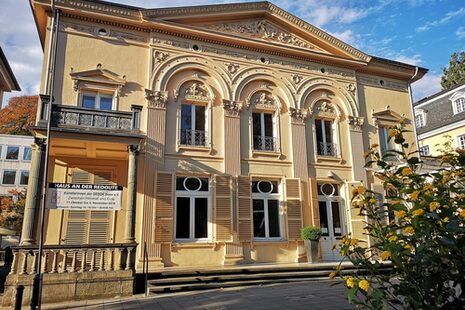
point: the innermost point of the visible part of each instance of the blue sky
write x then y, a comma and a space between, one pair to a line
418, 32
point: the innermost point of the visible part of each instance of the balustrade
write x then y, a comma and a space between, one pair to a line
68, 258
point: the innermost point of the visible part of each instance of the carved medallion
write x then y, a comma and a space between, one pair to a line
232, 68
355, 123
159, 57
297, 78
326, 109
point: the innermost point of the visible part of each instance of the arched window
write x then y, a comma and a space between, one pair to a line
264, 122
326, 130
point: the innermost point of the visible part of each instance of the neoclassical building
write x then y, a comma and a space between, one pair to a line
228, 126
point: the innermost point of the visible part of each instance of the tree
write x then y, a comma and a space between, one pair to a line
18, 115
12, 210
426, 241
455, 72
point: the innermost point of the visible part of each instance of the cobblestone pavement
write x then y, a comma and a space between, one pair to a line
298, 295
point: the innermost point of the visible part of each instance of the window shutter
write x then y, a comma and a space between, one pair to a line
358, 222
164, 207
294, 208
99, 221
314, 202
244, 208
223, 208
77, 224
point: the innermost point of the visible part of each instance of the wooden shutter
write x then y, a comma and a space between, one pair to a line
244, 208
314, 203
164, 207
223, 208
294, 208
77, 225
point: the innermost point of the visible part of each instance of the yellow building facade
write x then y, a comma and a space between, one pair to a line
229, 127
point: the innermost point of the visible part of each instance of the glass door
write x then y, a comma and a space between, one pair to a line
331, 227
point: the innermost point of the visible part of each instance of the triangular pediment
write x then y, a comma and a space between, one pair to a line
257, 22
99, 75
388, 115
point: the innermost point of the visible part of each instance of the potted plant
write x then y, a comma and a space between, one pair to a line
311, 235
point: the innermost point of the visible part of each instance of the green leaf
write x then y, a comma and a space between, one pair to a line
351, 294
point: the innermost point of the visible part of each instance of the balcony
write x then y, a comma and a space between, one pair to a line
264, 143
327, 149
74, 118
193, 137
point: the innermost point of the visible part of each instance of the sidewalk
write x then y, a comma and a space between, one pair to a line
316, 294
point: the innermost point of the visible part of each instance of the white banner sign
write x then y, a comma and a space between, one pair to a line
84, 196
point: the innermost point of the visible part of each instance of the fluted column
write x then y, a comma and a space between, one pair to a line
34, 189
129, 235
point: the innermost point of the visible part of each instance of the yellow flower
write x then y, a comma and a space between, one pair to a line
366, 154
353, 242
434, 205
350, 282
354, 192
406, 171
392, 133
409, 230
385, 255
392, 238
364, 285
427, 193
418, 212
332, 275
372, 200
361, 190
374, 145
408, 247
414, 195
462, 214
428, 187
401, 214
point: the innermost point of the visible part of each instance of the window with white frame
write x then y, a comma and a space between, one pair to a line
192, 209
12, 153
263, 131
419, 120
24, 178
459, 105
425, 151
385, 143
461, 142
325, 137
330, 210
9, 177
97, 100
266, 212
27, 153
193, 125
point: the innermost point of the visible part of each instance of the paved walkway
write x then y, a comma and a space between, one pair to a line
299, 295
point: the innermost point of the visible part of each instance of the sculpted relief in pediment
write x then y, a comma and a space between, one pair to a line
262, 29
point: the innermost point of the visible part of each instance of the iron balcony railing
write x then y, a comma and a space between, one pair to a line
193, 137
327, 149
264, 143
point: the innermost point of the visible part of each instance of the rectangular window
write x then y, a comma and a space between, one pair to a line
384, 144
424, 150
192, 209
266, 213
9, 177
27, 153
97, 101
459, 105
12, 152
263, 132
193, 125
324, 138
24, 178
461, 141
419, 120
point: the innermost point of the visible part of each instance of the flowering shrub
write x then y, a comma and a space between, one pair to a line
419, 229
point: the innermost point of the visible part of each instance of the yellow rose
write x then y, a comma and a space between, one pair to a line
462, 214
418, 212
434, 205
408, 247
427, 193
385, 255
409, 230
406, 171
332, 275
401, 214
372, 200
392, 238
364, 285
361, 190
350, 282
392, 133
414, 195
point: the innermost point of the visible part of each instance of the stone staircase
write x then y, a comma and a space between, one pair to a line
177, 280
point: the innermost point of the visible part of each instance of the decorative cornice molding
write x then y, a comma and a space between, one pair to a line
298, 115
355, 123
156, 99
232, 108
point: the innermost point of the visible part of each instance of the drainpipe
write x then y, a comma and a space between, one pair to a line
413, 110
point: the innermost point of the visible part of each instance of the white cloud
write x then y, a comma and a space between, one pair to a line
460, 32
345, 36
413, 60
442, 21
427, 86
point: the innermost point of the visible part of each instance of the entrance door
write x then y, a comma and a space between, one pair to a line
331, 227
